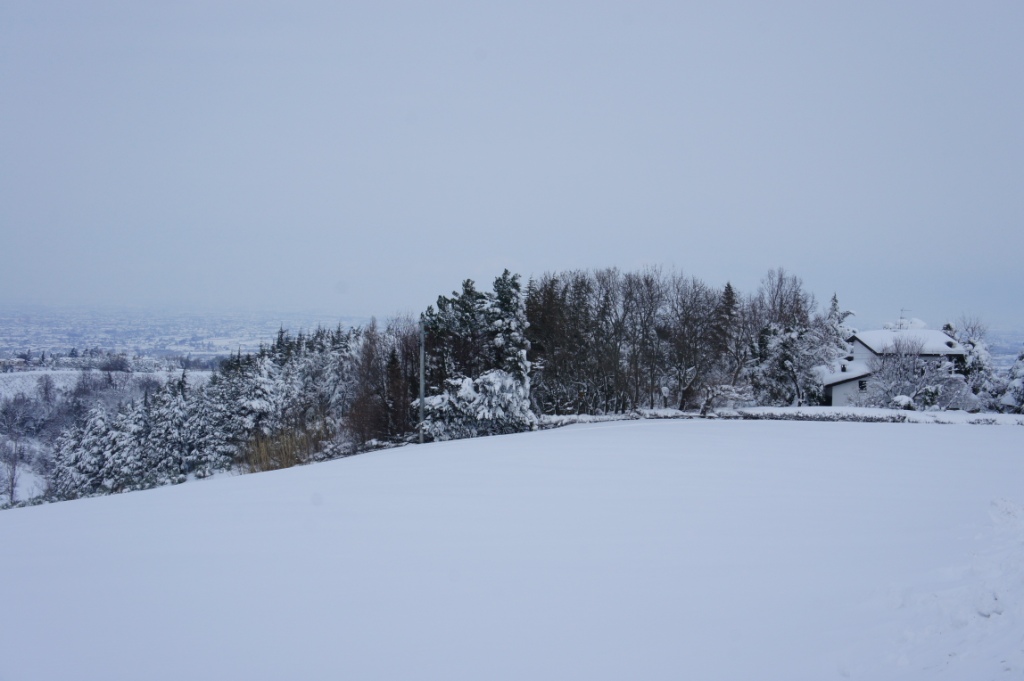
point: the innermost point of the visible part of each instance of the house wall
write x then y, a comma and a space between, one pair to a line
846, 394
861, 352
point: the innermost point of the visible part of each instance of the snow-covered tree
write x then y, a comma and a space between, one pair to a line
783, 371
81, 457
1012, 399
983, 383
243, 400
494, 403
507, 314
835, 333
170, 441
497, 399
458, 335
127, 465
902, 378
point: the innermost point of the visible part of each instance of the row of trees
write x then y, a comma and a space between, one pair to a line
103, 360
31, 422
283, 405
592, 342
321, 395
608, 341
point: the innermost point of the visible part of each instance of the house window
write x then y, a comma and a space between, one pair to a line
862, 385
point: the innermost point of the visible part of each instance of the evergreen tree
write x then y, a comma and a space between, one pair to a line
493, 326
171, 445
80, 459
458, 335
1012, 399
119, 472
494, 403
508, 324
835, 334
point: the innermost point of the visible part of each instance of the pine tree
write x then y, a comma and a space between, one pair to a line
458, 335
170, 442
508, 326
726, 320
117, 468
80, 459
835, 334
489, 389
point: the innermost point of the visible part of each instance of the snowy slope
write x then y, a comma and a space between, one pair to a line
627, 550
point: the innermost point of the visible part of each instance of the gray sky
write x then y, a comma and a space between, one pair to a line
364, 157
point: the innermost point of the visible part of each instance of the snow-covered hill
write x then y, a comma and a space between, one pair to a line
627, 550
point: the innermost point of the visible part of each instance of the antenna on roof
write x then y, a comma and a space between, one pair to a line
903, 320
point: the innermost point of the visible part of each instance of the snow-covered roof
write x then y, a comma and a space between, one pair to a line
831, 374
932, 342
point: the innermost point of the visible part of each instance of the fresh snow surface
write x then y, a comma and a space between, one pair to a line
653, 549
832, 373
932, 342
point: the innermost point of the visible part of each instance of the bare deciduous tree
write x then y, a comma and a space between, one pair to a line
783, 301
46, 388
12, 458
902, 376
692, 335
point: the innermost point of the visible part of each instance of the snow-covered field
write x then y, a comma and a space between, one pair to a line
627, 550
27, 382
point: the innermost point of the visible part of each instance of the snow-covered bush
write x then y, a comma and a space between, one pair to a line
902, 402
492, 404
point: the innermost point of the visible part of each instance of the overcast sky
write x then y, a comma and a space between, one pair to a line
363, 158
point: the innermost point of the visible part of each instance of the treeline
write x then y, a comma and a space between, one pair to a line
32, 421
579, 342
280, 406
608, 341
103, 360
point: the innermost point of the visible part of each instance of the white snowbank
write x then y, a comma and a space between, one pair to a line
854, 414
670, 549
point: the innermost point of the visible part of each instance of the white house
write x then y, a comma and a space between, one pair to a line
846, 380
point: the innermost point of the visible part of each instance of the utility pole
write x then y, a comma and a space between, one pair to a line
423, 384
